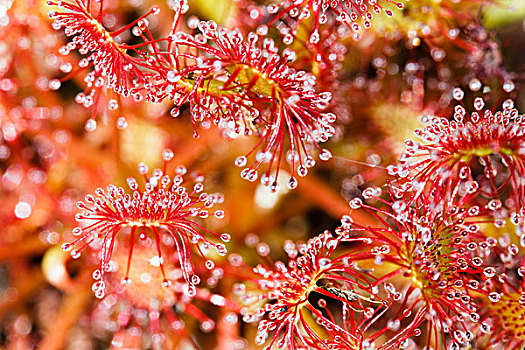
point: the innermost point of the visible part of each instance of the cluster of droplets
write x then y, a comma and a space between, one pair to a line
443, 248
165, 205
286, 290
111, 66
450, 150
356, 14
89, 36
502, 312
286, 107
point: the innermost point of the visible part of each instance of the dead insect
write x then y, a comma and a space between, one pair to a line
348, 295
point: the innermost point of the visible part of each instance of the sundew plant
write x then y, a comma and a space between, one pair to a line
262, 174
